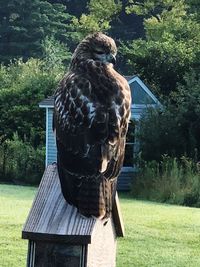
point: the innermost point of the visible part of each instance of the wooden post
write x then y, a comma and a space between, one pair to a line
59, 236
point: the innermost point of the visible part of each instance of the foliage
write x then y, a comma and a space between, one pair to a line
99, 17
20, 162
22, 87
187, 104
25, 24
162, 64
55, 54
172, 45
195, 8
172, 180
175, 129
165, 60
75, 7
159, 134
157, 8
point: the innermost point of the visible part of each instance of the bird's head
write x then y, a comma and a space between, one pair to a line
98, 47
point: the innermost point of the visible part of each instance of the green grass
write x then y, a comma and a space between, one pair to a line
15, 202
159, 235
156, 234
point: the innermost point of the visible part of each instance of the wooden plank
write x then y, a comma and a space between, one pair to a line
117, 217
102, 250
52, 218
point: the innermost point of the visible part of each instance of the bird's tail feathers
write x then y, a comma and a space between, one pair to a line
96, 197
92, 196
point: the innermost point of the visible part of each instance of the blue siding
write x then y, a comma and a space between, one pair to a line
51, 144
126, 178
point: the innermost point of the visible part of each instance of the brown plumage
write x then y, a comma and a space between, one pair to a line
92, 110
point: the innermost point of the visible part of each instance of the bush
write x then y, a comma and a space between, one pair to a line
159, 134
23, 86
20, 162
172, 181
171, 47
173, 130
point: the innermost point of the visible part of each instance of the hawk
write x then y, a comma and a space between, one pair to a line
91, 115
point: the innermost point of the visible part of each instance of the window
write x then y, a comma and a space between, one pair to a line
129, 148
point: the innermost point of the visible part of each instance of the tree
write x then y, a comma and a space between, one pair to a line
187, 103
123, 26
74, 7
55, 53
99, 17
23, 86
159, 135
172, 44
175, 129
24, 24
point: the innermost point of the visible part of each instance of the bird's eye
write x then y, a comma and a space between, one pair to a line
99, 52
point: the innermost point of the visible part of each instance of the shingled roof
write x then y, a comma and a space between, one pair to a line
47, 102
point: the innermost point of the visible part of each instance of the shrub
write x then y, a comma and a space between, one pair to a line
173, 130
172, 180
159, 134
23, 86
20, 162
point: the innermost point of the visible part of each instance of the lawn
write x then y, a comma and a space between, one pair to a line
156, 234
159, 235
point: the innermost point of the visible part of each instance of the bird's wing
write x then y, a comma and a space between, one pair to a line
90, 142
90, 139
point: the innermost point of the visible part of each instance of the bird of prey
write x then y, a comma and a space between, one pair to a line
91, 115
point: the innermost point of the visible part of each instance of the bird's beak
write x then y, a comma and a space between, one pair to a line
111, 59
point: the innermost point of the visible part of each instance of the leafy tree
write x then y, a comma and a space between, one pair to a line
24, 85
175, 129
74, 7
20, 162
159, 134
123, 26
25, 23
172, 44
187, 103
99, 17
55, 53
194, 6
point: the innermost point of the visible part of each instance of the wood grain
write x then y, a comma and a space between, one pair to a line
51, 218
102, 250
117, 218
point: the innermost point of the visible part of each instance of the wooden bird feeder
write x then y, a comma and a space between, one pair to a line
60, 237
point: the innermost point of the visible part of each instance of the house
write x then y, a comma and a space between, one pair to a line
142, 98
